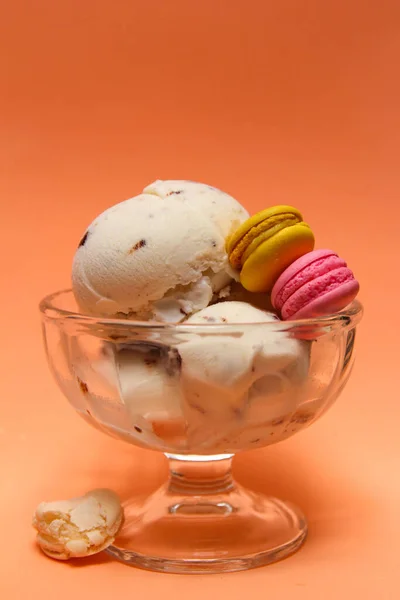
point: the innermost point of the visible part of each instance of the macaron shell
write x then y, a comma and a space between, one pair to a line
297, 266
329, 303
306, 269
272, 257
325, 294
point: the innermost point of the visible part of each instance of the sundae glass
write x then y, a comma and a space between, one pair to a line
200, 392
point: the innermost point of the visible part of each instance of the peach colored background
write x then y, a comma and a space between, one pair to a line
285, 101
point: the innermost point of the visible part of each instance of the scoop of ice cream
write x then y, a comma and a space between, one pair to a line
80, 526
148, 379
134, 388
149, 385
223, 210
212, 386
241, 378
160, 255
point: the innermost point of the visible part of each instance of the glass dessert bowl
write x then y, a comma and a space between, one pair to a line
200, 393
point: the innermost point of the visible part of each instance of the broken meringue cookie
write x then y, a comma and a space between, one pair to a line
80, 526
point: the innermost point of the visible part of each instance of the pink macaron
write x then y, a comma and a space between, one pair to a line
319, 283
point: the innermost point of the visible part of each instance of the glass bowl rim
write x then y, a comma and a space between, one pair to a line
345, 318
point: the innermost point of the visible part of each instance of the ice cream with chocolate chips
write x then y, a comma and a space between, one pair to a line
160, 255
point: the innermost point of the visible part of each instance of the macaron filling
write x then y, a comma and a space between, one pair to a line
273, 229
258, 234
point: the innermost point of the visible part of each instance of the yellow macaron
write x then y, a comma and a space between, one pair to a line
266, 244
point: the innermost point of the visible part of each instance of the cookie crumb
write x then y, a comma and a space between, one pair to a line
83, 240
197, 407
137, 246
301, 418
83, 386
150, 360
173, 362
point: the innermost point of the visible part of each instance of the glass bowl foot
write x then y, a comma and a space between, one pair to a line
224, 529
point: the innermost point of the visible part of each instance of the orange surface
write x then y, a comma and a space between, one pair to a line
276, 102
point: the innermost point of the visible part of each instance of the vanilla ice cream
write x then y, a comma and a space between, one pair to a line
213, 388
160, 255
244, 378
